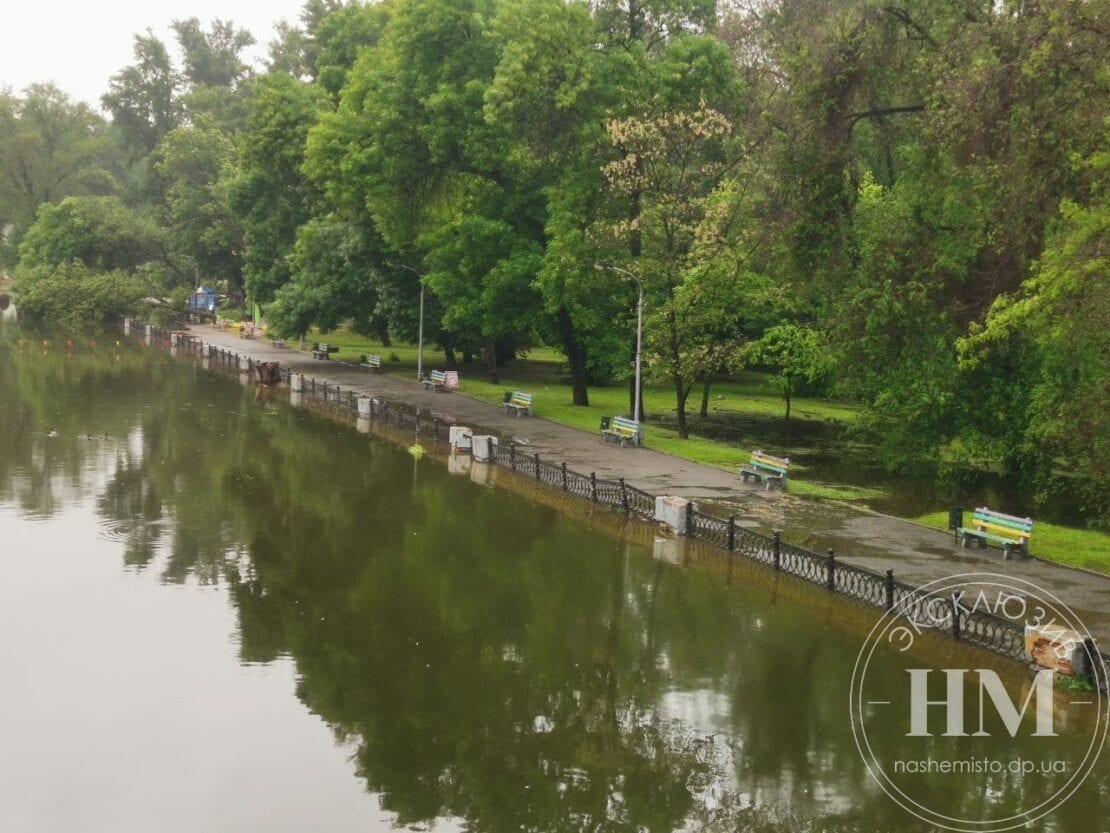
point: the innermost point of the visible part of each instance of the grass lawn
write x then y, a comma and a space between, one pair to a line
748, 394
540, 374
1077, 547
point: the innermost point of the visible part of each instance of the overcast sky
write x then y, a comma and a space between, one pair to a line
79, 45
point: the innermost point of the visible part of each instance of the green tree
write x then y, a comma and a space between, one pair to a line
193, 169
71, 296
799, 355
142, 97
271, 194
51, 147
100, 232
1049, 343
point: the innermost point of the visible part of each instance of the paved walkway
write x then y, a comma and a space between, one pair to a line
917, 554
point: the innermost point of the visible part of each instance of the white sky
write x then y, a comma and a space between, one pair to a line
79, 45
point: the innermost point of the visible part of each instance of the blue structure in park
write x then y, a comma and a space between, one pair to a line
202, 300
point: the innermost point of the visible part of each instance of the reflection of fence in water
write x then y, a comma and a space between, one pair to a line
981, 628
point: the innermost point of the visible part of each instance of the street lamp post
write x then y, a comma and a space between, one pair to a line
603, 266
420, 337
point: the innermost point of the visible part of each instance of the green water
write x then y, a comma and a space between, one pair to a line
221, 612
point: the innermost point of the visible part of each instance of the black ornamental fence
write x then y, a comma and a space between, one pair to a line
882, 591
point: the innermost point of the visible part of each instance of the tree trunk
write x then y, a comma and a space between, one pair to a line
786, 392
468, 357
449, 353
383, 333
681, 392
705, 398
491, 361
576, 358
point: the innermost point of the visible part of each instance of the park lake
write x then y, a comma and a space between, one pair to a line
226, 613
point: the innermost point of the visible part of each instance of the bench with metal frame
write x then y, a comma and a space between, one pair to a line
1008, 532
766, 468
622, 430
518, 401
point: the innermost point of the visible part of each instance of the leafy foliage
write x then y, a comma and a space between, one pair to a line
71, 295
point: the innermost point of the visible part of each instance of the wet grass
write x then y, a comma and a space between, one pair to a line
745, 412
825, 491
1087, 548
719, 440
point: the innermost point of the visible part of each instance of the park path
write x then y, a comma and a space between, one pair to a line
916, 553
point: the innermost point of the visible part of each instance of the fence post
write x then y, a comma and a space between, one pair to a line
890, 589
956, 613
537, 459
512, 457
435, 430
830, 577
593, 486
690, 518
776, 548
624, 496
565, 487
731, 533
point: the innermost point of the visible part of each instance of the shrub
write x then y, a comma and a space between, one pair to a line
73, 296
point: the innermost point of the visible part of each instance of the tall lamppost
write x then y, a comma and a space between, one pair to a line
602, 266
420, 330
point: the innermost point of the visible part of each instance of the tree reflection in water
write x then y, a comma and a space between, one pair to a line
484, 657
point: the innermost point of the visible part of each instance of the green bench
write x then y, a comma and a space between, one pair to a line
321, 351
435, 380
767, 469
1008, 532
621, 429
371, 363
517, 401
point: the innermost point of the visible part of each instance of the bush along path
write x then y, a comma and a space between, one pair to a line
917, 554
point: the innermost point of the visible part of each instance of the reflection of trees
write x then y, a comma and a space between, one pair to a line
484, 657
78, 392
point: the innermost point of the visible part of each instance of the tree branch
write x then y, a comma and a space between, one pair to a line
884, 111
910, 23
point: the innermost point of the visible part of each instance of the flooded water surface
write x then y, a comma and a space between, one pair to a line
221, 612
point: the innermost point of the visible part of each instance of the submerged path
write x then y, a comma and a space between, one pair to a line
916, 553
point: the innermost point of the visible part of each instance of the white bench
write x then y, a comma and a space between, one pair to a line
436, 380
371, 363
518, 401
1009, 532
767, 469
622, 430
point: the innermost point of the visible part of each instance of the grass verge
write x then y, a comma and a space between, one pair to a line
1087, 548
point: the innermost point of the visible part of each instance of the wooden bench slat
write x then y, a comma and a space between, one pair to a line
999, 530
769, 466
1001, 523
1004, 516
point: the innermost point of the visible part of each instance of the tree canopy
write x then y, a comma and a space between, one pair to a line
902, 205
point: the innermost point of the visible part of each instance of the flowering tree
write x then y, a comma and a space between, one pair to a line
668, 168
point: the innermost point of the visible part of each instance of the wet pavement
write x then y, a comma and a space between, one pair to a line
917, 554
